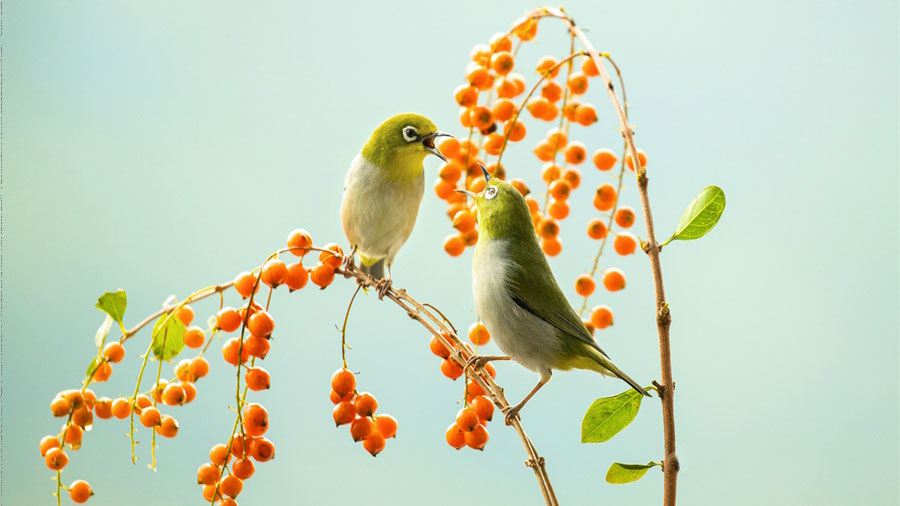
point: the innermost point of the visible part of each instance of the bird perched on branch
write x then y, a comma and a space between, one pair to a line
519, 300
383, 190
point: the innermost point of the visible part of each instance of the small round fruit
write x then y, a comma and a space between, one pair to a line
451, 369
467, 419
455, 436
597, 229
374, 442
56, 459
228, 319
150, 417
243, 468
261, 449
297, 276
47, 444
231, 485
80, 491
261, 324
477, 438
483, 407
584, 285
625, 217
257, 379
601, 317
194, 337
361, 427
365, 404
343, 413
614, 280
478, 334
299, 241
343, 381
114, 352
386, 425
185, 314
274, 272
625, 243
244, 284
207, 474
605, 159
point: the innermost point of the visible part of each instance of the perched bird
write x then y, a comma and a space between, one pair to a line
518, 298
383, 190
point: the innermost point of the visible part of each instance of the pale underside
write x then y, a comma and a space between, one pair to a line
378, 213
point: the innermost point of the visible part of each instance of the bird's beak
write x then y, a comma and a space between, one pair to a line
487, 175
467, 192
428, 142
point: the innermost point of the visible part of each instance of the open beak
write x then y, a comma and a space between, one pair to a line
487, 175
428, 142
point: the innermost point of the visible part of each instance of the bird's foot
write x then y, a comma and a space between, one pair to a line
347, 263
511, 413
478, 362
382, 287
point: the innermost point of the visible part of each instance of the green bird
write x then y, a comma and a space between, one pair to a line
519, 300
383, 190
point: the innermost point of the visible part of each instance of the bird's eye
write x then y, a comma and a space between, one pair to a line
491, 192
410, 134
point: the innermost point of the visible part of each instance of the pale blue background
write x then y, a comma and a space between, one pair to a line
163, 146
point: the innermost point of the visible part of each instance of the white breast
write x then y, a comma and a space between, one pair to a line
523, 336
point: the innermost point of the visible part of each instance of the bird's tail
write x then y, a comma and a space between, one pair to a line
372, 267
610, 369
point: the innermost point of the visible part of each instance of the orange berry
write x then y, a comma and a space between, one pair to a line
274, 272
73, 435
557, 138
584, 285
500, 42
262, 449
60, 406
605, 159
570, 109
614, 280
483, 408
558, 209
449, 147
299, 241
231, 485
361, 427
625, 217
578, 83
525, 28
244, 284
343, 381
455, 436
322, 275
240, 446
585, 115
478, 334
207, 474
480, 117
493, 145
243, 468
194, 337
185, 314
337, 398
515, 130
545, 65
174, 395
168, 427
504, 109
443, 188
333, 255
199, 367
489, 368
365, 404
454, 245
451, 369
532, 204
150, 416
218, 454
470, 238
80, 491
473, 389
477, 438
210, 493
464, 220
506, 88
74, 397
572, 176
480, 54
589, 67
479, 77
575, 153
89, 398
467, 419
551, 91
548, 228
255, 419
466, 96
386, 425
48, 443
438, 348
142, 401
465, 119
121, 408
503, 63
550, 172
228, 319
625, 243
601, 317
518, 80
560, 189
450, 172
539, 107
343, 413
103, 372
232, 352
596, 229
374, 442
642, 157
521, 186
190, 391
256, 346
544, 151
83, 417
297, 276
551, 246
114, 352
56, 459
261, 324
257, 379
605, 198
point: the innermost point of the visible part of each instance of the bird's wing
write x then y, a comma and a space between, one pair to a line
532, 286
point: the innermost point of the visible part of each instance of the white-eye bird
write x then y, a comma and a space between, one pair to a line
519, 300
383, 190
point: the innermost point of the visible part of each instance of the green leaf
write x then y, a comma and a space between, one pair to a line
100, 336
113, 304
94, 363
608, 415
619, 474
701, 215
168, 337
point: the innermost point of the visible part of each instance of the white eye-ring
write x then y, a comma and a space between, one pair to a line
410, 134
491, 192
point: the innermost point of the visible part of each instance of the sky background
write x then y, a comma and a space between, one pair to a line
162, 147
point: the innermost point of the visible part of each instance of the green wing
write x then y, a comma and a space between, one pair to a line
532, 286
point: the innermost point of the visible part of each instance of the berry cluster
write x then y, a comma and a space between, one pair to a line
358, 410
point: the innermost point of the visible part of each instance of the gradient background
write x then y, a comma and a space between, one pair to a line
165, 146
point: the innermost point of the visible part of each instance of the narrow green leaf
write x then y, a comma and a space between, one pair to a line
113, 304
100, 336
90, 369
608, 415
701, 215
168, 337
619, 474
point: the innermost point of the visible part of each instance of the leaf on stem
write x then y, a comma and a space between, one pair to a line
113, 304
701, 215
619, 473
100, 336
168, 337
91, 367
609, 415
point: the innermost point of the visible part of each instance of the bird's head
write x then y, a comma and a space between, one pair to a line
402, 142
502, 211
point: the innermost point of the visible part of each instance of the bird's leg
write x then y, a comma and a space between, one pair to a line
382, 287
477, 362
511, 413
347, 262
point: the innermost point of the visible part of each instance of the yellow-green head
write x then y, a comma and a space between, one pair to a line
502, 211
401, 143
